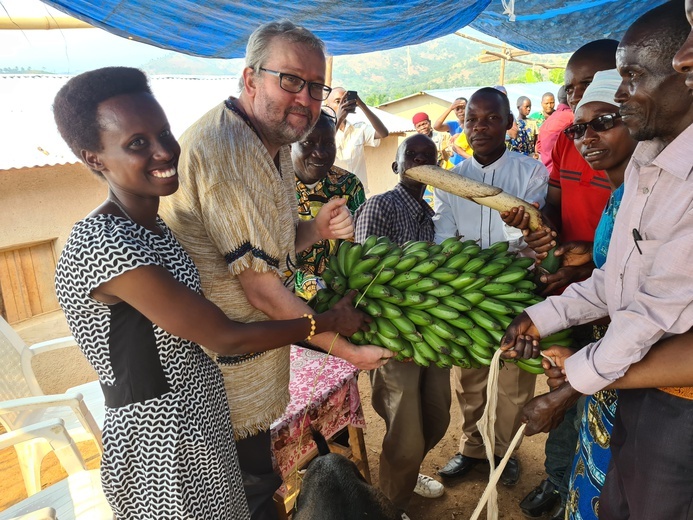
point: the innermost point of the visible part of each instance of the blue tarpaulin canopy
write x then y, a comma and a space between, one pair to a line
220, 28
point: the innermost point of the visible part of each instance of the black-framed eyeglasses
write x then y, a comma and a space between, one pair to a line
598, 124
294, 84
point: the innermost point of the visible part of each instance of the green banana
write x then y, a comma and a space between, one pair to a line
474, 265
434, 249
474, 297
450, 241
395, 296
344, 248
323, 295
426, 267
494, 306
408, 351
358, 338
426, 351
529, 367
418, 316
415, 245
384, 275
387, 261
492, 269
339, 284
461, 338
453, 248
404, 325
516, 295
494, 289
359, 281
511, 276
420, 360
424, 285
353, 255
482, 360
441, 290
444, 312
504, 321
444, 361
429, 301
441, 328
379, 249
480, 337
562, 334
386, 328
463, 280
526, 285
378, 291
406, 262
420, 254
522, 261
474, 286
412, 298
393, 344
457, 302
403, 280
444, 274
434, 340
457, 261
460, 356
370, 307
472, 249
366, 264
483, 319
441, 258
368, 243
500, 247
462, 323
414, 337
389, 310
328, 275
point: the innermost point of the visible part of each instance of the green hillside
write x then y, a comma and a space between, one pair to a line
381, 76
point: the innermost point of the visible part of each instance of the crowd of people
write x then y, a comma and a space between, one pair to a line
185, 287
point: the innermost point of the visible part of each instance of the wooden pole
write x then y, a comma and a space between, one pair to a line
502, 68
328, 72
42, 23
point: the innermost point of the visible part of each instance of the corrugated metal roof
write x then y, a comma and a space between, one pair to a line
29, 137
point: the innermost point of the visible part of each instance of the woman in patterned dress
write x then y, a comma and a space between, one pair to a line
132, 299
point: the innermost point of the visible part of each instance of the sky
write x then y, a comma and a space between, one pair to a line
66, 51
73, 51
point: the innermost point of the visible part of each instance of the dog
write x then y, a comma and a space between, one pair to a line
334, 489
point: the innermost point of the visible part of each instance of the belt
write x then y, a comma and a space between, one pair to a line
684, 392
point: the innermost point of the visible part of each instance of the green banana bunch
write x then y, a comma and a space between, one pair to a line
436, 304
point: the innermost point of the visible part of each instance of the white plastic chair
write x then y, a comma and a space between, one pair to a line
81, 407
78, 497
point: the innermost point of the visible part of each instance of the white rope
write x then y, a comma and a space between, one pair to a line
487, 428
509, 9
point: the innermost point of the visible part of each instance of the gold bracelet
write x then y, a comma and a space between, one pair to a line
312, 325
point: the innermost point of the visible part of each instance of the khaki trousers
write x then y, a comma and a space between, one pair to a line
415, 403
515, 389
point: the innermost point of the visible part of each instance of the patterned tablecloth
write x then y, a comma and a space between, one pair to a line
335, 404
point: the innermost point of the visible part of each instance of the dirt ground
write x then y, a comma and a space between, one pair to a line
457, 503
461, 497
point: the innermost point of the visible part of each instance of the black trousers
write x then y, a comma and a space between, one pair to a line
259, 479
651, 472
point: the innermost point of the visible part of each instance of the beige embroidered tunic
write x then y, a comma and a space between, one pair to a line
235, 210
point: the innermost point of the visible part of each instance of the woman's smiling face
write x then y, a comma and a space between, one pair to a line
139, 154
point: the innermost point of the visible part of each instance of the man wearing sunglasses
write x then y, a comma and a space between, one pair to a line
236, 215
576, 197
644, 287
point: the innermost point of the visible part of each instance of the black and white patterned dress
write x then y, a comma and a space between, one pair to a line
168, 443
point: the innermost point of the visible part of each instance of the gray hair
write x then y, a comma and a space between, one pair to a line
257, 50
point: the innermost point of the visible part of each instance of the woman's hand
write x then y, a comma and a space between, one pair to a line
345, 318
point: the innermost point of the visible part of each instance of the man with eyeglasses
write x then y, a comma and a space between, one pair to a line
352, 138
236, 215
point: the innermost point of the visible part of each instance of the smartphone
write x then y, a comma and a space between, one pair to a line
350, 95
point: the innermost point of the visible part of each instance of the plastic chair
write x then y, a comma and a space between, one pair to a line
78, 497
81, 407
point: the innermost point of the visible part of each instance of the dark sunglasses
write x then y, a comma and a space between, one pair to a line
598, 124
